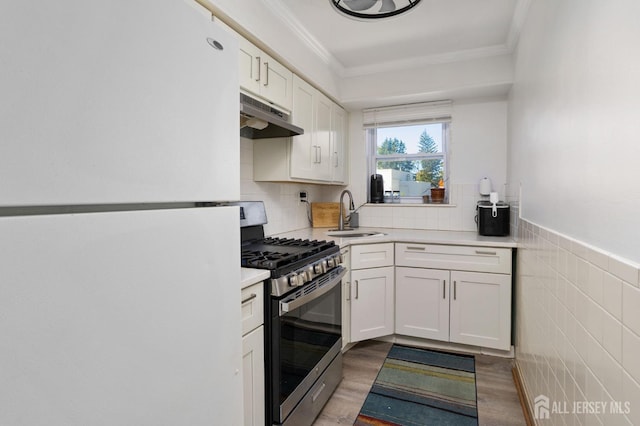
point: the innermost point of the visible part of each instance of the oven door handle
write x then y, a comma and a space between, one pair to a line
296, 303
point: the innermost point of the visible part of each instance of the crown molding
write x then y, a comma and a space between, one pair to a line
289, 19
284, 14
444, 58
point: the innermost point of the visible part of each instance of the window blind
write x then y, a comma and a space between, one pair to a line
399, 115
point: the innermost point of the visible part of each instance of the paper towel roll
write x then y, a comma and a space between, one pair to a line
485, 186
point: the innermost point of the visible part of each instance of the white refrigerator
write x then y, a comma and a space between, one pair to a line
119, 291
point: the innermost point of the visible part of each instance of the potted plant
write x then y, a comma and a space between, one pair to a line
437, 195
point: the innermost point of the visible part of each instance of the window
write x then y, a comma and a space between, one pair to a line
407, 145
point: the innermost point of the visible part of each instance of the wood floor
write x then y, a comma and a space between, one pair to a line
498, 402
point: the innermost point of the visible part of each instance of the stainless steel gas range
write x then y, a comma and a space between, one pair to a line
303, 318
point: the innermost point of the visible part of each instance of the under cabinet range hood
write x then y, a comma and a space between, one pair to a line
260, 121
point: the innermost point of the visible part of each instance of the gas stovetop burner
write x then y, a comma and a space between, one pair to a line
262, 259
281, 255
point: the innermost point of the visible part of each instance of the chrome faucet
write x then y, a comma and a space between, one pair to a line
351, 207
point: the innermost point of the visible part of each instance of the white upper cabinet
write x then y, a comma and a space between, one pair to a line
265, 77
338, 145
315, 156
97, 113
310, 152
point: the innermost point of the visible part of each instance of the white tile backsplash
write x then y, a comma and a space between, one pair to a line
612, 336
577, 325
630, 351
631, 392
612, 295
631, 308
457, 216
624, 270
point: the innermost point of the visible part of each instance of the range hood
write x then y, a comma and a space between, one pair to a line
260, 121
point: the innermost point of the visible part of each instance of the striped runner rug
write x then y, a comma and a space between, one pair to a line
417, 387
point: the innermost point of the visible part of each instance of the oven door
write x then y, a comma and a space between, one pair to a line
306, 337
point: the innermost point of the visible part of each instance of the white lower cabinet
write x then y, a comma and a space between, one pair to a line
480, 309
422, 303
253, 377
458, 294
472, 308
372, 286
372, 303
346, 296
253, 355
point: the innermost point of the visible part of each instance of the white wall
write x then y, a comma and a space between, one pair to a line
479, 142
574, 121
572, 162
478, 148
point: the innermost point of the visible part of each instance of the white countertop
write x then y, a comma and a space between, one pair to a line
463, 238
249, 276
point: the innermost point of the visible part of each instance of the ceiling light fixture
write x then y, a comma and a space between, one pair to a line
368, 9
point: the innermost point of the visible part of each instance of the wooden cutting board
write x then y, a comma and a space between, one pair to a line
325, 215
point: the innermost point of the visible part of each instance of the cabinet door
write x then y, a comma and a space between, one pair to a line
252, 306
422, 303
303, 151
262, 75
249, 61
481, 309
372, 303
322, 169
311, 152
276, 82
346, 296
253, 377
338, 144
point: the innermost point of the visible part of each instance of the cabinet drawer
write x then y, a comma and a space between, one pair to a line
461, 258
371, 255
252, 300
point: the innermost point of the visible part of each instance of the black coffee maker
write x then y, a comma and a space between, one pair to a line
376, 189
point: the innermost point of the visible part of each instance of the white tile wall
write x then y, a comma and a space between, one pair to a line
577, 326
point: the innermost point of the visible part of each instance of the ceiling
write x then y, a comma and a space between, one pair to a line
435, 31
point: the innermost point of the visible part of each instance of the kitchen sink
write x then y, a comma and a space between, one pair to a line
352, 233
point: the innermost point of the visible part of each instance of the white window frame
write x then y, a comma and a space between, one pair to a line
408, 115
